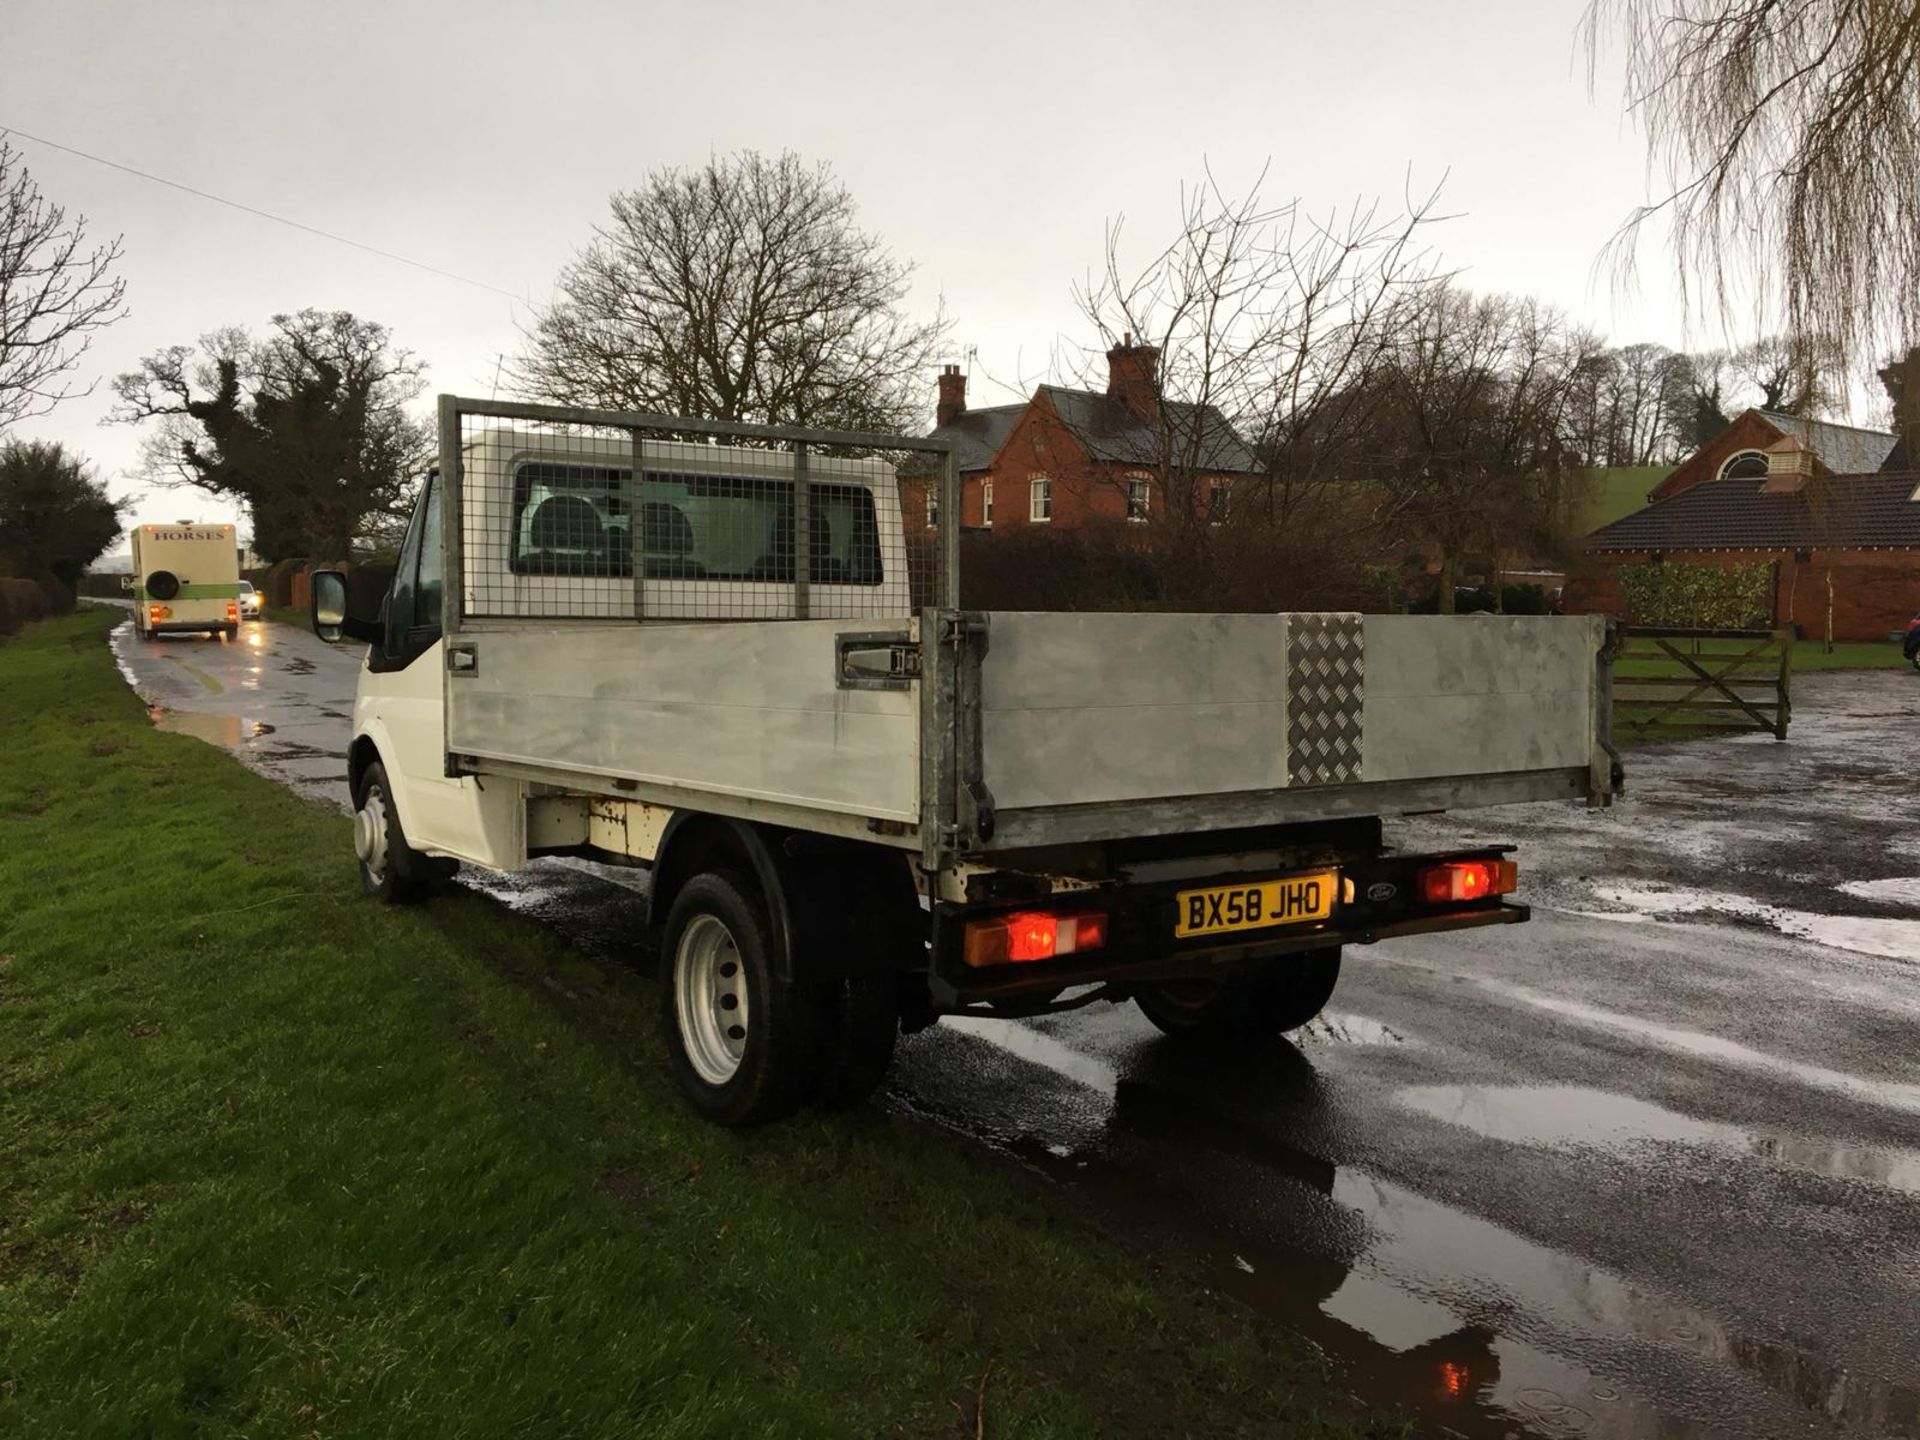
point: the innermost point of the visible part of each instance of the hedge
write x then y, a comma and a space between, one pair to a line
20, 602
1705, 597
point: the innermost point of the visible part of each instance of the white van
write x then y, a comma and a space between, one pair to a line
186, 578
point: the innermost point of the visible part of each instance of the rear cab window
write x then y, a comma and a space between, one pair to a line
571, 519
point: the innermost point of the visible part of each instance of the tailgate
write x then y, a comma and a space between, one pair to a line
1100, 725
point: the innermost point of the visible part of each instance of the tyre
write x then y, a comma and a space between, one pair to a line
232, 632
745, 1047
1284, 996
390, 869
860, 1020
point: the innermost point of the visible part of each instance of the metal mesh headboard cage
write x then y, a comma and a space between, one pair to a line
570, 514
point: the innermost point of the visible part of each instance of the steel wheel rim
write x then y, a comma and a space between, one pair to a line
370, 832
710, 999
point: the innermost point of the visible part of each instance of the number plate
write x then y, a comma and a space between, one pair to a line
1290, 900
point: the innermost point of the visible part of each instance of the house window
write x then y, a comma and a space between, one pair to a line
933, 508
1218, 494
1747, 465
1139, 496
986, 503
1040, 499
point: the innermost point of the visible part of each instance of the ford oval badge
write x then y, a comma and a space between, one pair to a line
1382, 891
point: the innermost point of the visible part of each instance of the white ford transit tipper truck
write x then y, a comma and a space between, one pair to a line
186, 579
864, 806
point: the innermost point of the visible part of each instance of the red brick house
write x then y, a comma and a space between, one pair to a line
1741, 450
1067, 458
1841, 542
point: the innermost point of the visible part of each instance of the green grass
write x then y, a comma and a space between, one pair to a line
1849, 655
1619, 490
275, 1160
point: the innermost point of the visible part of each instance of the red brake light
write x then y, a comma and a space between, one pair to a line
1032, 937
1462, 880
1029, 935
233, 609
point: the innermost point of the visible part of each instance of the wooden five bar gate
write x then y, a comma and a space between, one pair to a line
1673, 677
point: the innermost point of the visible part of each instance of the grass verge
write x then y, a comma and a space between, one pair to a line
275, 1160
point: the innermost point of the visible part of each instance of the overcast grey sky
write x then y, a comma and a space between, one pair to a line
986, 142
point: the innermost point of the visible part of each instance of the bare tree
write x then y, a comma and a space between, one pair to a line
1268, 321
1469, 450
740, 290
309, 426
55, 292
1789, 132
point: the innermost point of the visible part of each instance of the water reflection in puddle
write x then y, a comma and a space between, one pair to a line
231, 731
1862, 934
1466, 1323
1571, 1116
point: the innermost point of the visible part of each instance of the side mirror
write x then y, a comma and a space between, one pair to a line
329, 597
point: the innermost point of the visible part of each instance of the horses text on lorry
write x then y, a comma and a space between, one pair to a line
712, 650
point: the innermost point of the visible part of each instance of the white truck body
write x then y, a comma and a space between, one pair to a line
186, 579
569, 662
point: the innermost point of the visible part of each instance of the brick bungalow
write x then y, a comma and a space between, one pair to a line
1067, 458
1832, 537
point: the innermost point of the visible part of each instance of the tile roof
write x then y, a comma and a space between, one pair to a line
1841, 511
1843, 449
978, 434
1112, 431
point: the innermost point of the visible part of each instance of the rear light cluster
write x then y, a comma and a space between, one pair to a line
157, 613
1455, 881
233, 610
1032, 935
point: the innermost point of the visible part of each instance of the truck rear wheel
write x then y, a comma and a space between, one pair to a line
860, 1022
1284, 996
744, 1045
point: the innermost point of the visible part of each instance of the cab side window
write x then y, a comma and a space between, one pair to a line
413, 601
427, 586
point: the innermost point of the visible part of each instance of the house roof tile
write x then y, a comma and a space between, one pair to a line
1840, 512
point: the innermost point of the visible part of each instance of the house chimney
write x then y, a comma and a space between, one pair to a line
953, 395
1789, 467
1133, 375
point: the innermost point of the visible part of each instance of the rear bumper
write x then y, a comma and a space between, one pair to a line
1141, 948
189, 627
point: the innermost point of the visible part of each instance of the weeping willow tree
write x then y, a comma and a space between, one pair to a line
1788, 135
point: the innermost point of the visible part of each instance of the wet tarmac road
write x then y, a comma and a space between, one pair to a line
1648, 1166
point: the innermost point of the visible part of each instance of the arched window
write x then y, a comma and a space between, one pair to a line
1747, 465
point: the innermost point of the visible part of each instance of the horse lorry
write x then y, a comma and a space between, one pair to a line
714, 651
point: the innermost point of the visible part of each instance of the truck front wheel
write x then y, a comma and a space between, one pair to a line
745, 1046
390, 868
1284, 996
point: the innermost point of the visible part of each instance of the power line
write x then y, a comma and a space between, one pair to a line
254, 210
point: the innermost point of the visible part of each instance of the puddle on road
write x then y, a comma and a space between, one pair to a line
1459, 1319
231, 731
1892, 1094
1572, 1117
297, 665
1862, 934
1340, 1028
1901, 890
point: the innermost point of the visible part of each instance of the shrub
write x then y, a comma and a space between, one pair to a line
1700, 597
20, 602
1514, 600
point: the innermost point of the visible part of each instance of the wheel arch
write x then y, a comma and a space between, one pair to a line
835, 909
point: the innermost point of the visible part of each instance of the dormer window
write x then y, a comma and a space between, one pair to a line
1747, 465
